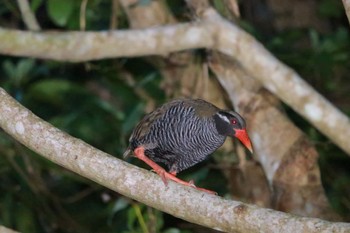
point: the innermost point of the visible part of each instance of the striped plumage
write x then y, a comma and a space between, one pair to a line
184, 132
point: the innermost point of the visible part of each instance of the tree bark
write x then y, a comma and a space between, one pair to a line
290, 162
144, 186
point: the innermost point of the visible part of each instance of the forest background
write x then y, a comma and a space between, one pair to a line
55, 63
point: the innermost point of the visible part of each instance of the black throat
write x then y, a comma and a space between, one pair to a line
222, 124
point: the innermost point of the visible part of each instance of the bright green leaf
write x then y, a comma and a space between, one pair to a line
60, 11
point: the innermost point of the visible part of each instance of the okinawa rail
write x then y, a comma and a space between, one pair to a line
182, 133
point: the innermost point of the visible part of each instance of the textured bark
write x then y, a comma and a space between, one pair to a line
144, 186
211, 32
288, 158
85, 46
153, 14
246, 180
248, 183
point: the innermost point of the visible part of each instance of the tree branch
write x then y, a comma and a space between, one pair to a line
211, 32
85, 46
290, 163
144, 186
6, 230
28, 16
280, 80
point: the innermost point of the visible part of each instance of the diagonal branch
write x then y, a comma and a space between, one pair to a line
28, 16
290, 163
139, 184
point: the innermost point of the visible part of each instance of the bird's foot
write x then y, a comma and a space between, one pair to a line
170, 176
191, 183
139, 153
207, 191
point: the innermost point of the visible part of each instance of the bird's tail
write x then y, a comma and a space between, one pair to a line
127, 152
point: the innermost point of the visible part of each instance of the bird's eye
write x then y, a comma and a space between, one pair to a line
233, 121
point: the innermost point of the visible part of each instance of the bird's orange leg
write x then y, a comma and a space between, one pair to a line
140, 154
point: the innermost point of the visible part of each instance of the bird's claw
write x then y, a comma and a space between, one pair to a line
161, 173
191, 184
165, 176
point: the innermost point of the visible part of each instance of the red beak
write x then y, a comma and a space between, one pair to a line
242, 135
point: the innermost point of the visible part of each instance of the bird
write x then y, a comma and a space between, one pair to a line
182, 133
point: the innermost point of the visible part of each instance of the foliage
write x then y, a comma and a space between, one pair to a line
100, 102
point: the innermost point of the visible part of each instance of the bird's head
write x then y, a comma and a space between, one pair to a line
229, 123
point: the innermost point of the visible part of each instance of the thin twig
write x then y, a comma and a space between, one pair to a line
28, 16
82, 18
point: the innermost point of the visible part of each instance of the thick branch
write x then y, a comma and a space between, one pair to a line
280, 80
290, 163
85, 46
144, 186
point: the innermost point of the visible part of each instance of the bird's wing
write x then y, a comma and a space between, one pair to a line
143, 127
146, 123
202, 108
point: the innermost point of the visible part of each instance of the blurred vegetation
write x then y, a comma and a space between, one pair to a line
98, 102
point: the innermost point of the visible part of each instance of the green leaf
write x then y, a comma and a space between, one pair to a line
24, 66
35, 4
17, 73
131, 218
25, 219
9, 69
60, 11
331, 8
51, 90
314, 38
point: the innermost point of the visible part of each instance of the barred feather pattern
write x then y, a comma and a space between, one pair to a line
179, 137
